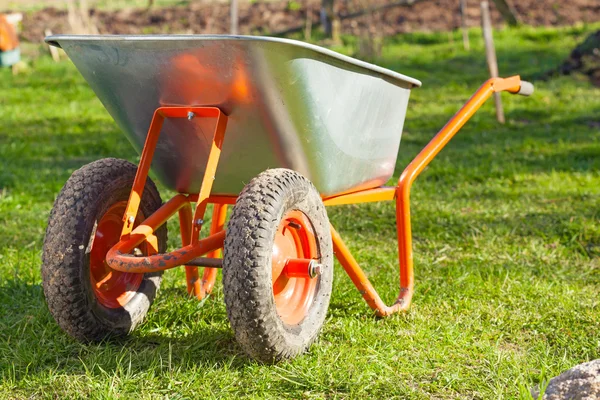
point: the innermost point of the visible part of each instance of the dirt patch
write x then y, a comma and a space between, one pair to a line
275, 16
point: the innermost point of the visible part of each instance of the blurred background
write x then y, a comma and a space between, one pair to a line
310, 20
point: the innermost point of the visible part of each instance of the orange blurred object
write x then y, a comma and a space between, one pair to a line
8, 35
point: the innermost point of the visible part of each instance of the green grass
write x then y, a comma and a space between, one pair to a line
506, 241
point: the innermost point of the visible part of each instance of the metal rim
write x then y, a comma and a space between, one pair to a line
400, 79
294, 238
113, 289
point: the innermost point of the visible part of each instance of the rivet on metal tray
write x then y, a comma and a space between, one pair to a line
190, 115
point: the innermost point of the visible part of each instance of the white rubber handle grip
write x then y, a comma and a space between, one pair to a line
526, 88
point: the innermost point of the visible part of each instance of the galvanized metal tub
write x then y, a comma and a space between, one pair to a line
336, 120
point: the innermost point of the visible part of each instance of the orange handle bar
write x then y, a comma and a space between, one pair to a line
405, 255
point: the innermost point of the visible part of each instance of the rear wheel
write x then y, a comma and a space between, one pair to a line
88, 299
277, 266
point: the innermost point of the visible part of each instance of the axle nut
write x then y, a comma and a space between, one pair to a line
314, 269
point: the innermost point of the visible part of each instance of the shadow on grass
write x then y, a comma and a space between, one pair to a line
33, 344
555, 224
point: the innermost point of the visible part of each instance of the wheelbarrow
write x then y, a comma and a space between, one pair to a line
276, 128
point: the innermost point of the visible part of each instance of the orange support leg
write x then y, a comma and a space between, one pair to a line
209, 176
118, 257
209, 275
185, 226
145, 231
148, 153
402, 195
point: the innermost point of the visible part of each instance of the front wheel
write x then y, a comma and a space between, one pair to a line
277, 314
88, 299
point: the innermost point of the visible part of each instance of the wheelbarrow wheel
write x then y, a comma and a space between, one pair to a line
89, 300
277, 217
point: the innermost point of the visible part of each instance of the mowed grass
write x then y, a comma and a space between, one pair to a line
506, 248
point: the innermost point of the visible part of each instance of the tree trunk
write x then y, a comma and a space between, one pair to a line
463, 24
234, 17
327, 17
508, 12
356, 14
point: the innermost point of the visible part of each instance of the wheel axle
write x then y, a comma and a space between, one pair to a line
302, 268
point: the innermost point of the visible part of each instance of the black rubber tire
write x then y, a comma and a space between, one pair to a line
87, 195
247, 266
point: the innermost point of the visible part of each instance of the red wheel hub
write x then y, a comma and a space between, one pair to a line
113, 289
294, 239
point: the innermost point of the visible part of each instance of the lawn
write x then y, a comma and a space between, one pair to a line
506, 241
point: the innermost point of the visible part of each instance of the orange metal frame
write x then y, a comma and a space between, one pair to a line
120, 259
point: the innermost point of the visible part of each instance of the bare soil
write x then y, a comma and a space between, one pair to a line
276, 16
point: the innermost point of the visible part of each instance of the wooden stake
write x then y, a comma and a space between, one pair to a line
74, 20
336, 29
53, 50
490, 55
308, 27
463, 23
89, 23
79, 19
234, 17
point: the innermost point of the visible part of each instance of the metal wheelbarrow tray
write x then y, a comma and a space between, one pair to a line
276, 127
334, 119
